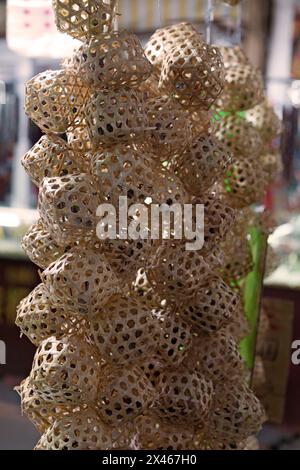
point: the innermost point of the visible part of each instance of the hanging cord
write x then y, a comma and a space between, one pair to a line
237, 38
234, 31
116, 22
209, 18
159, 13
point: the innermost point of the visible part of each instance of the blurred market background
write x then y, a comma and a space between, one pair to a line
270, 33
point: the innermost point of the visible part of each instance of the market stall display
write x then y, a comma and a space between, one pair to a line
107, 309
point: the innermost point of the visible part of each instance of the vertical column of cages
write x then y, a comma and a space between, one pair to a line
137, 340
